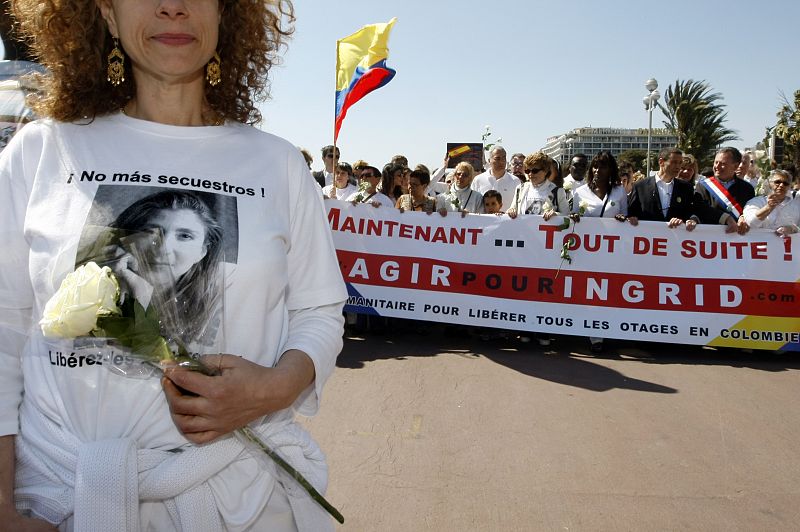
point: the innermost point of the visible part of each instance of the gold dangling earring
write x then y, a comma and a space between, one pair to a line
213, 72
116, 65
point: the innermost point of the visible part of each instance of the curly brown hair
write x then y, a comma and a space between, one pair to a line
71, 39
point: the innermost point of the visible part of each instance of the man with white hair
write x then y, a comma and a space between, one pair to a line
497, 177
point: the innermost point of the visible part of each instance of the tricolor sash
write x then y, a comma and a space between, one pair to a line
722, 195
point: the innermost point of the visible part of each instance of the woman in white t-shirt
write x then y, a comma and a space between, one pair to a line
147, 127
341, 188
538, 195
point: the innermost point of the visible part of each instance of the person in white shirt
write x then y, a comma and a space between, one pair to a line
146, 124
577, 173
538, 195
461, 197
496, 177
778, 210
341, 188
367, 193
438, 185
663, 197
602, 196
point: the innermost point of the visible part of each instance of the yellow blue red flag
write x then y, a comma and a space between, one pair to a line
361, 67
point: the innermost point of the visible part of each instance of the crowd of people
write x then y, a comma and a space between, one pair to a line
731, 193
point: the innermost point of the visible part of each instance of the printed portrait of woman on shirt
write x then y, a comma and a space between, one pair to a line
166, 246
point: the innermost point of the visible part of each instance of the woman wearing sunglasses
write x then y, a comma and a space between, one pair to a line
538, 195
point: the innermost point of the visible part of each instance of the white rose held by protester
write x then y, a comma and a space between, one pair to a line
582, 206
547, 206
84, 295
568, 186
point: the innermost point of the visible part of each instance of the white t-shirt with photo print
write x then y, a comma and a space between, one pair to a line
282, 285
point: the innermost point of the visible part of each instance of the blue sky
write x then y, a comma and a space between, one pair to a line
530, 69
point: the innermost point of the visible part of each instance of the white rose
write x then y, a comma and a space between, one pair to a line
84, 295
583, 206
547, 206
568, 186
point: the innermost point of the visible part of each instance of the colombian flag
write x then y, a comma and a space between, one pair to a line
361, 67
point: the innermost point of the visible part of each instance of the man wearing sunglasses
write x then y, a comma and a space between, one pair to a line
369, 177
778, 210
325, 176
517, 165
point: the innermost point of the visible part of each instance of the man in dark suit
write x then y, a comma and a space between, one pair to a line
662, 198
720, 199
325, 177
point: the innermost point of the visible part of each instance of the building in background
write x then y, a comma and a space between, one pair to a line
591, 140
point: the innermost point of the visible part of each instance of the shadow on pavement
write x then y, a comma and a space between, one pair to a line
567, 361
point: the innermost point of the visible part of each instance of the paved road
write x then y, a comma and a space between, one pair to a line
449, 433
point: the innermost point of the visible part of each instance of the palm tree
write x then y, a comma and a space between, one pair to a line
696, 118
788, 127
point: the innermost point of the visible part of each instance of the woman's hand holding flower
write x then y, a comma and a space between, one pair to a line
242, 392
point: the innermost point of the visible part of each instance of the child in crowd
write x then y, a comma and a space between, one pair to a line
492, 202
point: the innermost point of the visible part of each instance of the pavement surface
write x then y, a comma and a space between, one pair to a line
433, 429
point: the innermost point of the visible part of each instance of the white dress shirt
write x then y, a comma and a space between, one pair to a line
505, 185
664, 192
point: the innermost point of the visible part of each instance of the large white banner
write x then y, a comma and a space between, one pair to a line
648, 282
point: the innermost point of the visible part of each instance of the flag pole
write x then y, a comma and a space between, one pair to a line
335, 86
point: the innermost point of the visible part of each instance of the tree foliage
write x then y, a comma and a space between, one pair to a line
696, 116
637, 159
788, 127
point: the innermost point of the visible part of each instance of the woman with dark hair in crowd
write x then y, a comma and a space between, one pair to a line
555, 176
602, 196
417, 199
393, 181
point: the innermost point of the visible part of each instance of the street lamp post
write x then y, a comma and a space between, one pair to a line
649, 104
